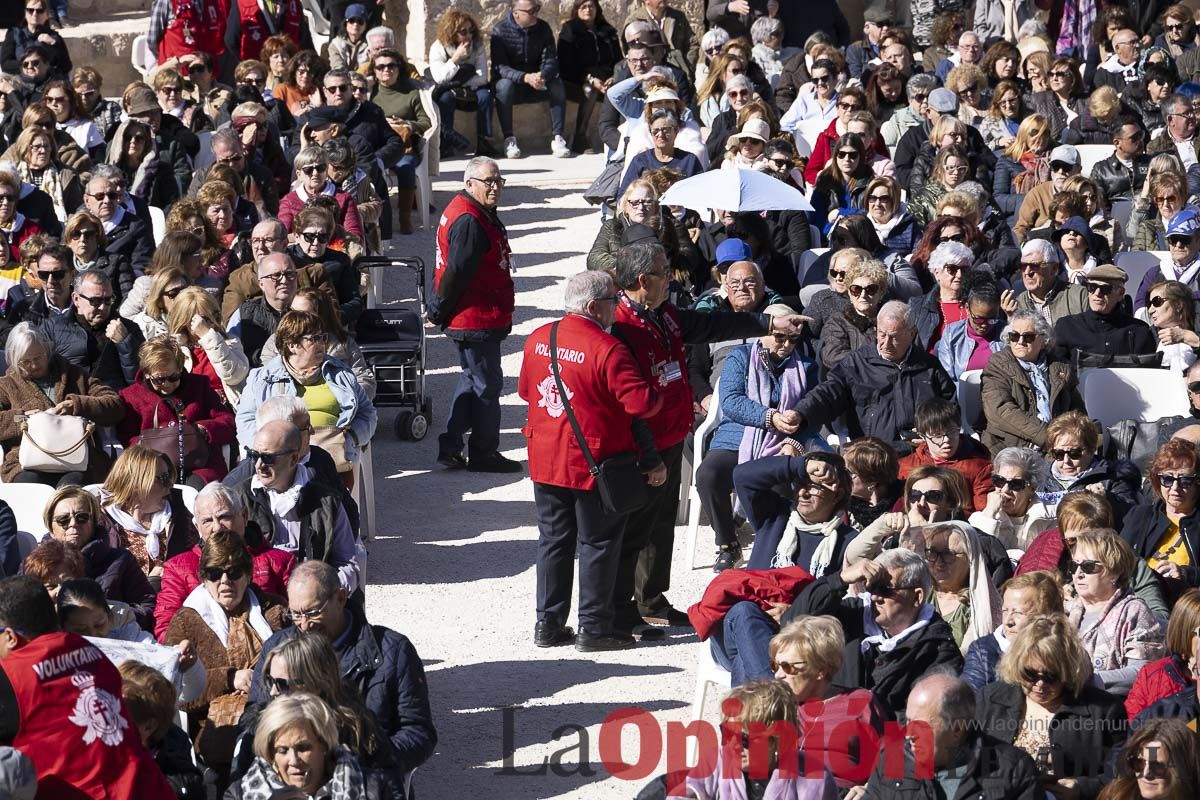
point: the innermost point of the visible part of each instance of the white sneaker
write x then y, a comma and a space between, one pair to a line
511, 148
559, 148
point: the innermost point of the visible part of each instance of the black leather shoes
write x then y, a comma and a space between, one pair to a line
452, 459
551, 634
597, 643
495, 463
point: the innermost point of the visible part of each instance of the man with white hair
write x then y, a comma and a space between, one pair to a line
125, 234
968, 51
581, 383
879, 389
1045, 290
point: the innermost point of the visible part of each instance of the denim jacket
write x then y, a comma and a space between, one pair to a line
955, 347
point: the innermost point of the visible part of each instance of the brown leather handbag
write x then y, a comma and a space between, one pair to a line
183, 443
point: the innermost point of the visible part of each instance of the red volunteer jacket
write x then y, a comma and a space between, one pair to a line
487, 303
255, 30
193, 30
75, 726
606, 392
656, 341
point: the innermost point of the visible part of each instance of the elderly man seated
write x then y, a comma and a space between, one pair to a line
1047, 291
267, 237
255, 320
877, 390
126, 234
55, 268
260, 197
1106, 328
381, 665
92, 336
296, 512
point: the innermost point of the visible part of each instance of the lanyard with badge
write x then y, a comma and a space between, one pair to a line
668, 370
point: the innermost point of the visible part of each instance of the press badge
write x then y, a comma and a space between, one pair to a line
669, 372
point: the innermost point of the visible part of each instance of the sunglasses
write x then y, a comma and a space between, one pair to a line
1016, 484
1156, 302
214, 574
837, 274
953, 237
1023, 338
79, 517
933, 496
84, 234
32, 64
1060, 166
51, 275
160, 380
946, 557
277, 685
195, 69
1173, 199
1185, 482
313, 238
1141, 767
96, 302
1073, 453
850, 107
888, 592
314, 169
173, 293
882, 199
1194, 387
1033, 676
1102, 289
1088, 567
781, 163
848, 154
863, 291
788, 667
389, 66
1179, 241
266, 459
738, 94
822, 80
113, 196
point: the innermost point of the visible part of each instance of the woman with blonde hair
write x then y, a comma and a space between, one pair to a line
969, 83
1022, 598
1024, 165
1164, 194
84, 237
951, 168
638, 206
194, 321
37, 163
180, 250
166, 285
710, 97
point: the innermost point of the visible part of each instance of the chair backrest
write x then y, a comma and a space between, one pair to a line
814, 235
141, 56
807, 292
189, 496
807, 258
1090, 154
316, 17
433, 138
319, 39
28, 503
1137, 263
970, 398
158, 221
1146, 395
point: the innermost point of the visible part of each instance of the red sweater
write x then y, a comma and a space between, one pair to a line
348, 217
972, 461
200, 406
1155, 681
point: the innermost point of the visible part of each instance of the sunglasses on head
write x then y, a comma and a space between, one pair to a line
933, 496
1186, 482
1016, 484
863, 291
1087, 566
214, 574
1141, 767
1073, 453
1033, 676
266, 459
1024, 338
1102, 289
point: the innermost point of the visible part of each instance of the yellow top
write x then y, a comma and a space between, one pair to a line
1170, 548
323, 408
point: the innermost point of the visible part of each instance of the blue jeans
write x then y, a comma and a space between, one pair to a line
510, 93
476, 404
740, 644
406, 170
483, 115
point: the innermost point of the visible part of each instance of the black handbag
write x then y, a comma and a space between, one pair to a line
618, 480
604, 188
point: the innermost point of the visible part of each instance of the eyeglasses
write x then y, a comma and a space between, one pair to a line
174, 292
214, 574
279, 277
1087, 567
1142, 767
937, 439
646, 203
97, 302
314, 169
266, 459
265, 241
79, 517
496, 183
305, 616
850, 107
748, 283
863, 291
946, 557
952, 237
277, 685
1033, 677
738, 94
55, 100
314, 237
1102, 289
1023, 338
113, 196
788, 667
1173, 199
933, 496
663, 131
1186, 482
847, 154
1073, 453
1016, 484
315, 338
164, 380
387, 66
881, 199
52, 275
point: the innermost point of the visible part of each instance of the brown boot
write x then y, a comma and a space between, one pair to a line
406, 198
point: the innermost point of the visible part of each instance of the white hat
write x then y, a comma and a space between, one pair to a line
753, 129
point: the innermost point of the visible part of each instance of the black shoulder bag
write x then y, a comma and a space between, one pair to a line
618, 479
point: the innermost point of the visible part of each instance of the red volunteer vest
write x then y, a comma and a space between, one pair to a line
660, 355
487, 303
191, 31
255, 30
606, 391
74, 725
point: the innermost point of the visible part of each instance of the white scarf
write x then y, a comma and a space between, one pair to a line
875, 634
328, 189
1001, 639
1172, 273
791, 535
158, 526
1115, 66
215, 617
282, 503
111, 224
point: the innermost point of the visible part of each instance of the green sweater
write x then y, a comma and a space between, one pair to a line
403, 100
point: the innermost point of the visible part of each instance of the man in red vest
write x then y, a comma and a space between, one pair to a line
655, 332
182, 27
61, 705
607, 393
252, 22
473, 303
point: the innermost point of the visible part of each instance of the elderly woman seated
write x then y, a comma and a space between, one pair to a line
1022, 599
938, 424
1071, 443
963, 593
298, 754
1116, 626
1012, 512
1046, 704
759, 385
1165, 532
39, 380
1023, 387
866, 281
828, 303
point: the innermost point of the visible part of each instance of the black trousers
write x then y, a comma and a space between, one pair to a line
714, 484
570, 520
644, 574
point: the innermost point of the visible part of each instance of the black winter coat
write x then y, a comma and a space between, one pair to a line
133, 241
1114, 334
120, 578
983, 160
926, 314
891, 675
584, 51
996, 771
1082, 734
517, 51
114, 365
1119, 182
1143, 529
343, 279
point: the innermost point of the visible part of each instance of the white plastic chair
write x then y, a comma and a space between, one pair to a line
158, 221
364, 487
699, 448
1091, 154
808, 292
319, 39
1146, 395
970, 399
1137, 263
141, 56
707, 672
28, 504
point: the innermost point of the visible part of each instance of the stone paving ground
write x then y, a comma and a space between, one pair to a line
452, 566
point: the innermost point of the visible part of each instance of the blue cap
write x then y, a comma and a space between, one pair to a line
732, 250
1074, 225
1185, 222
356, 10
322, 117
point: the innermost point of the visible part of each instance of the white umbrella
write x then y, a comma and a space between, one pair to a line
735, 190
